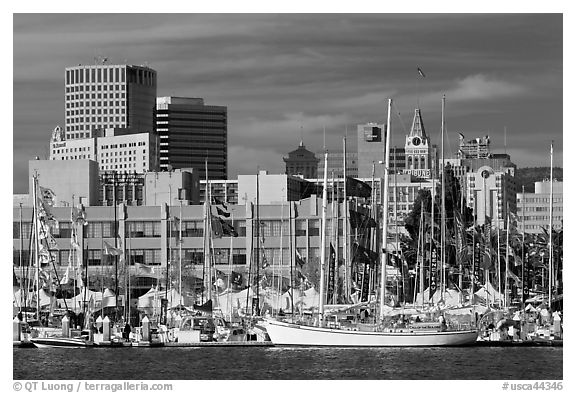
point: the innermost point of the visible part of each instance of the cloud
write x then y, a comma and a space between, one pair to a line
481, 88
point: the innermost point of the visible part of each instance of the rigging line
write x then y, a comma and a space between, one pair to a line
400, 117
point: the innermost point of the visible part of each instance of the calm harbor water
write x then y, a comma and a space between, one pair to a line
259, 363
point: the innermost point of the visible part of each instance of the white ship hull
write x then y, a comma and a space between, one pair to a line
61, 342
282, 333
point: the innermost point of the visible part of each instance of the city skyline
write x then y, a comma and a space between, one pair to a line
287, 77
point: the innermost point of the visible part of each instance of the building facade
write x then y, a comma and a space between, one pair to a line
302, 162
371, 142
336, 164
491, 194
114, 150
192, 133
106, 96
418, 150
71, 184
534, 208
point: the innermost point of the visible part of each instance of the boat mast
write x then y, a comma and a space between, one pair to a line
257, 309
507, 258
385, 215
323, 241
345, 231
443, 211
36, 245
551, 262
207, 266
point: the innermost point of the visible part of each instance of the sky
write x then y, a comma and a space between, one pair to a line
315, 77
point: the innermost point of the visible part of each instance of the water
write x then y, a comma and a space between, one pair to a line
206, 363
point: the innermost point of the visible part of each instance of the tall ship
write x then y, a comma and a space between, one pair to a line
338, 325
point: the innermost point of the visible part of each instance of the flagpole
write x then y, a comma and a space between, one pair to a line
115, 242
180, 251
507, 261
498, 269
384, 254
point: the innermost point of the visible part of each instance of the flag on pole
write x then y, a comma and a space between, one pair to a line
79, 216
299, 260
66, 279
357, 188
109, 250
359, 220
421, 73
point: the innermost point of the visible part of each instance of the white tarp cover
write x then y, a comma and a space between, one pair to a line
152, 299
18, 299
451, 297
493, 295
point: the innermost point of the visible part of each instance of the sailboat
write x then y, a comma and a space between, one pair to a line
359, 334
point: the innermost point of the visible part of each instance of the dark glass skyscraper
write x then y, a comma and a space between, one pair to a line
191, 133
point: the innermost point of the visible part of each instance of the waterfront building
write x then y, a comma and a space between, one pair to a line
534, 208
104, 96
302, 162
149, 235
192, 133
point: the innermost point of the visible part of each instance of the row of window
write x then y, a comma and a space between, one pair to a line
137, 229
92, 75
116, 145
72, 89
79, 97
96, 119
190, 256
76, 112
539, 208
539, 200
121, 153
88, 104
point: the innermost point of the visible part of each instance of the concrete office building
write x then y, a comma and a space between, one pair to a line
192, 133
534, 208
490, 193
105, 96
114, 150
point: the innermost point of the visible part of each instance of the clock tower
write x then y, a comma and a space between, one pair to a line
418, 149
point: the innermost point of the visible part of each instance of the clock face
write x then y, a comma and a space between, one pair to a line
416, 141
485, 174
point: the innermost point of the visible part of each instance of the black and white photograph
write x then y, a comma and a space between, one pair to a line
312, 196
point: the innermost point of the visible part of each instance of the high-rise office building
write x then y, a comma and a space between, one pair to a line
105, 96
192, 133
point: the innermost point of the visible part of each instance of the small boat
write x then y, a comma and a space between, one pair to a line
60, 342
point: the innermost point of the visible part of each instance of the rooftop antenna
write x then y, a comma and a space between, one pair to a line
301, 134
324, 137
